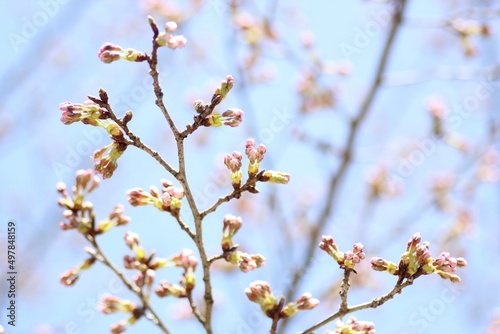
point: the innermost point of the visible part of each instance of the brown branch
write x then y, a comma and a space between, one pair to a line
182, 178
277, 315
134, 289
373, 304
194, 308
248, 186
135, 140
338, 175
185, 227
153, 65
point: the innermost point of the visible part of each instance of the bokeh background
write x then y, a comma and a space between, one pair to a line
301, 71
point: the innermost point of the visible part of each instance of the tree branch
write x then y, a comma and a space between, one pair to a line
338, 175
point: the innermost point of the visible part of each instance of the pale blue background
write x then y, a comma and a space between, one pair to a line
57, 62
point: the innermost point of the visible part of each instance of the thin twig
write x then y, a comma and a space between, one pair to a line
338, 175
136, 141
194, 308
373, 304
102, 258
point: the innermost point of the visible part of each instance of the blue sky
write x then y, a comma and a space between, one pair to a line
50, 56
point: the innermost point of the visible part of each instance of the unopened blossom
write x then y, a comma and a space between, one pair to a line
169, 200
260, 292
233, 163
185, 259
246, 262
70, 277
171, 197
111, 304
109, 53
380, 264
417, 260
144, 278
119, 327
132, 241
88, 112
166, 38
346, 260
231, 117
115, 218
354, 326
165, 289
305, 302
225, 87
272, 176
231, 226
107, 164
255, 155
130, 262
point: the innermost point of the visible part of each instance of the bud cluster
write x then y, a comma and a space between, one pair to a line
166, 38
79, 213
87, 113
231, 117
305, 302
111, 304
255, 156
417, 261
109, 53
170, 199
346, 260
260, 292
246, 262
186, 260
466, 29
353, 326
70, 277
93, 114
147, 265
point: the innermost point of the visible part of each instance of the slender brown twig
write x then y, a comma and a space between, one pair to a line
338, 175
138, 292
373, 304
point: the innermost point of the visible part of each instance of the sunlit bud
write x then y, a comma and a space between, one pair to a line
225, 87
109, 53
166, 289
232, 117
231, 226
131, 240
305, 302
138, 197
272, 176
119, 327
170, 26
380, 264
144, 279
260, 292
185, 259
413, 242
130, 262
158, 263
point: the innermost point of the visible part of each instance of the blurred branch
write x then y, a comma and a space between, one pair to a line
338, 175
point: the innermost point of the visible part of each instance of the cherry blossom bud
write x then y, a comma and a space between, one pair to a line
231, 226
260, 292
170, 26
166, 289
272, 176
